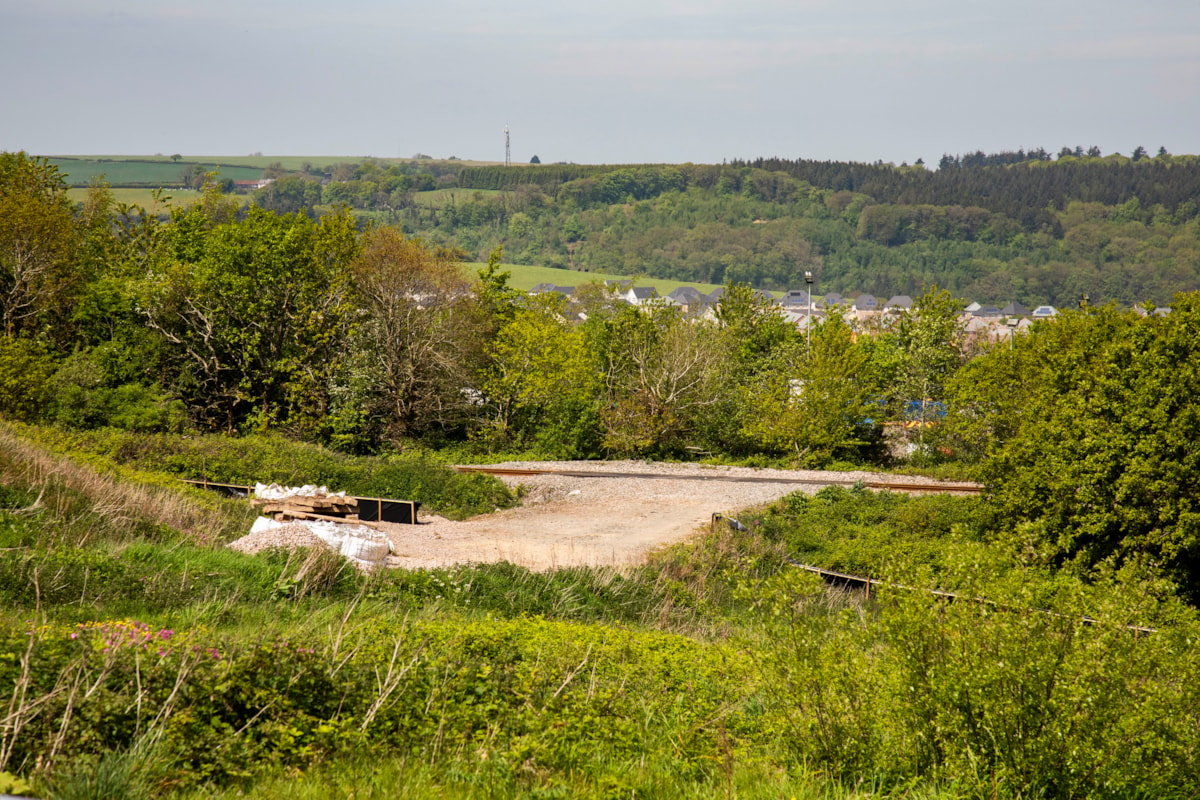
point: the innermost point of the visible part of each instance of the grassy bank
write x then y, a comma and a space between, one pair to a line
138, 654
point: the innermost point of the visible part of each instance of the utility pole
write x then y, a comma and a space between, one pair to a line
507, 149
808, 279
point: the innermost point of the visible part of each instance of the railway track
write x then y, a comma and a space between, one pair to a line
892, 486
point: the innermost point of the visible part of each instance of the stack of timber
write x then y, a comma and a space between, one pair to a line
285, 504
310, 507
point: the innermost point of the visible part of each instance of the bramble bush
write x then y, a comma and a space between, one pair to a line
550, 696
999, 699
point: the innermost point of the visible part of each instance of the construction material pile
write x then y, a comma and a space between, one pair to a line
289, 537
311, 516
363, 547
304, 502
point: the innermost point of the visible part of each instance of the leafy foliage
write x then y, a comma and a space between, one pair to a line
1089, 424
38, 241
250, 313
815, 403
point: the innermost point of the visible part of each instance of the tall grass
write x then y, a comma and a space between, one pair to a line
251, 459
716, 670
101, 506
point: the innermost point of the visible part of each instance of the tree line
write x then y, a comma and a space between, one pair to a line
370, 341
989, 227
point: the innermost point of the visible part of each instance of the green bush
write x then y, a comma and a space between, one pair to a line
266, 459
999, 698
869, 533
25, 371
551, 696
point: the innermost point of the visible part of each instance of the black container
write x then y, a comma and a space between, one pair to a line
379, 509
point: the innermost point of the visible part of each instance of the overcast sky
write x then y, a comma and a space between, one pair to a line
618, 81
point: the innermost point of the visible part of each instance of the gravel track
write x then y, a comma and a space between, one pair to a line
568, 520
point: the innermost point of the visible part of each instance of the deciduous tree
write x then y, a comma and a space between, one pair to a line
422, 336
38, 241
662, 373
251, 313
542, 383
814, 403
1093, 419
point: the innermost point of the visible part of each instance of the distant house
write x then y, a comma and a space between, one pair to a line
794, 297
832, 299
986, 312
899, 303
810, 321
1044, 312
687, 298
979, 326
1014, 310
971, 309
639, 295
247, 186
550, 288
866, 302
714, 297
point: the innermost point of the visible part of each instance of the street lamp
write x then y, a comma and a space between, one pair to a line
808, 326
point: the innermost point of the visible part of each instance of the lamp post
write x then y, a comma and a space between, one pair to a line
808, 322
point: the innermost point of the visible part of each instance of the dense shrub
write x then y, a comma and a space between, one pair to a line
864, 532
548, 695
266, 459
25, 371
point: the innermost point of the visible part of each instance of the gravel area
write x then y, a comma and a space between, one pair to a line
289, 537
568, 520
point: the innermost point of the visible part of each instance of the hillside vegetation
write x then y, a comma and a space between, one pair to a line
148, 661
1013, 643
995, 228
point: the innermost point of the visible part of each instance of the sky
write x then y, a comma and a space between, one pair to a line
620, 81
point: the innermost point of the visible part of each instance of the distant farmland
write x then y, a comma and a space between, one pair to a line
157, 171
144, 197
129, 172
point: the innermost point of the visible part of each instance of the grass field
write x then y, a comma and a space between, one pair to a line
439, 198
525, 277
145, 197
163, 172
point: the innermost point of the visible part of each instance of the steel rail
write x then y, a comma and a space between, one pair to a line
896, 486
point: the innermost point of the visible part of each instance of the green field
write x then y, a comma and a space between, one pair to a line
295, 163
526, 277
145, 197
148, 172
439, 198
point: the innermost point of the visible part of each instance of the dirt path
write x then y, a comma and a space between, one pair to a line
573, 520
